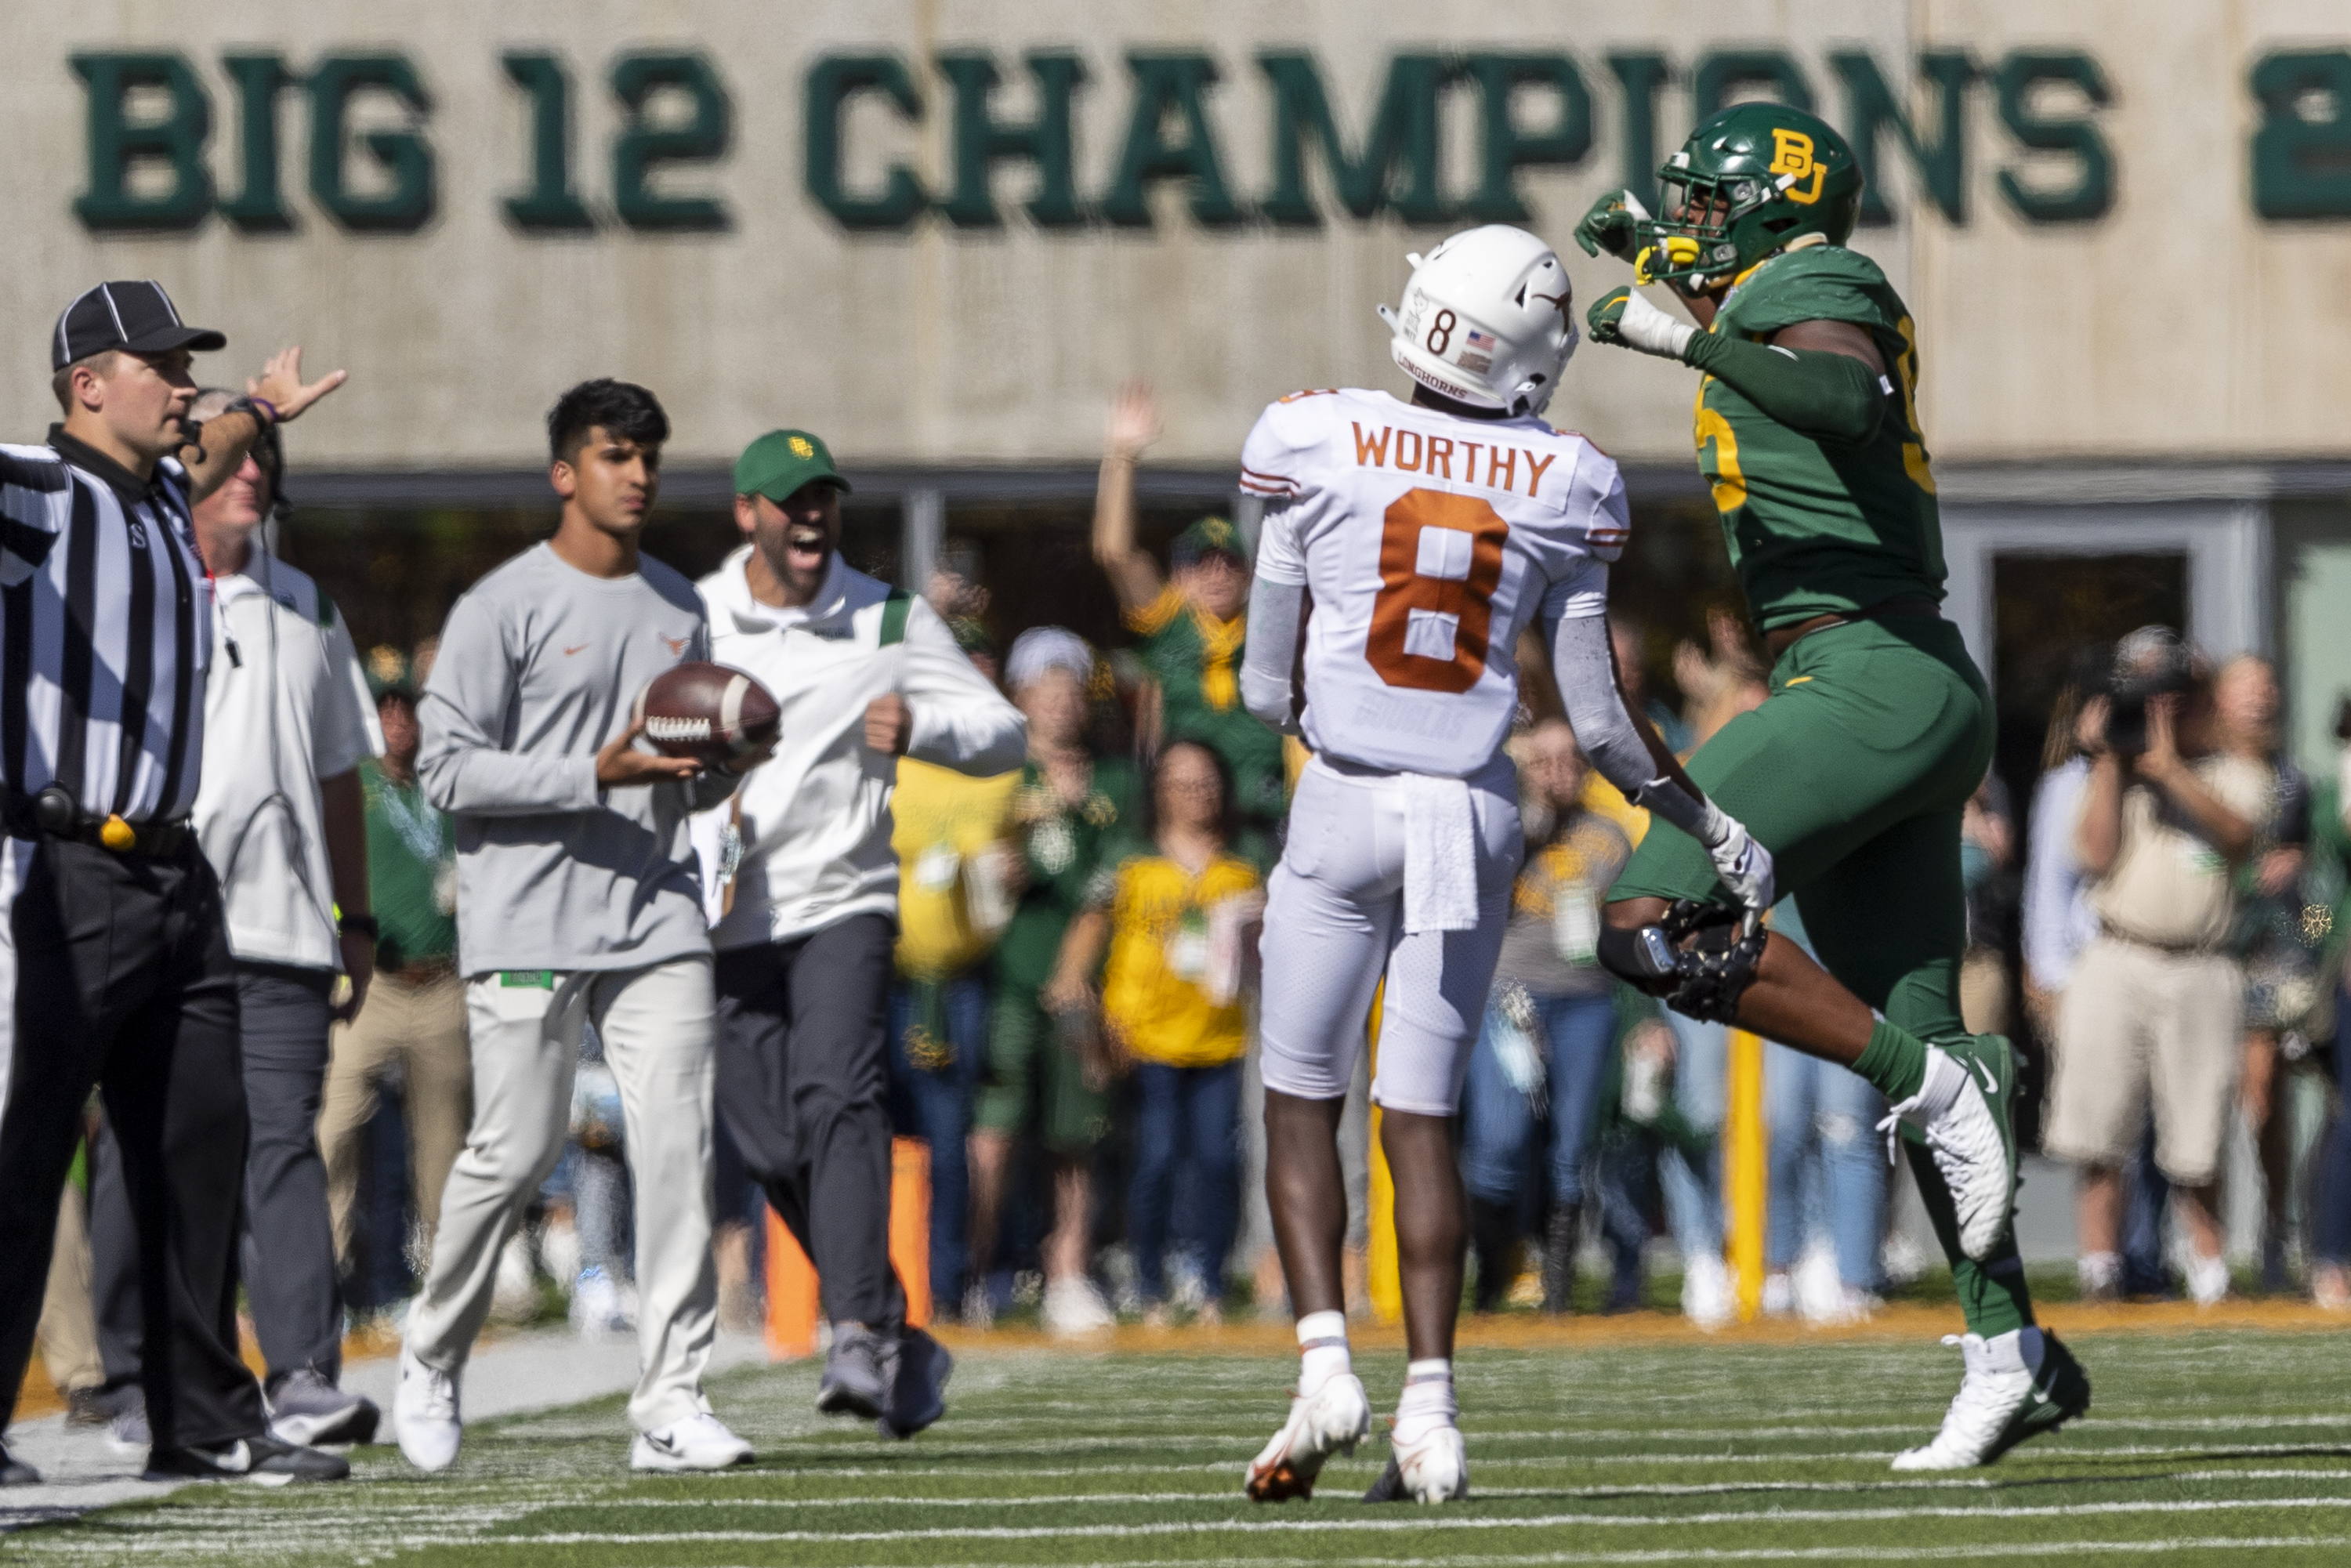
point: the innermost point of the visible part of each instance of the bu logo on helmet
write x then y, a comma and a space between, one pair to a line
1792, 160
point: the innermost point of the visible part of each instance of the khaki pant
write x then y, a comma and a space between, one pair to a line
655, 1024
69, 1333
422, 1030
2139, 1024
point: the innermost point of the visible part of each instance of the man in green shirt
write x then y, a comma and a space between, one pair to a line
1855, 771
1192, 624
414, 1014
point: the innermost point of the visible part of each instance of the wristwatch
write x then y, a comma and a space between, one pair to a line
357, 926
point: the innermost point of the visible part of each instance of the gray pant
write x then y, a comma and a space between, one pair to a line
287, 1253
804, 1084
526, 1029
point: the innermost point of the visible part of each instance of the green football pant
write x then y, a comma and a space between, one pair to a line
1854, 774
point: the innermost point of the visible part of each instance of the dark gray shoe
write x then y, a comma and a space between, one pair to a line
860, 1372
920, 1396
304, 1408
16, 1472
263, 1459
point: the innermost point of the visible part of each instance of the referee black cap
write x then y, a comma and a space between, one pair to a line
136, 315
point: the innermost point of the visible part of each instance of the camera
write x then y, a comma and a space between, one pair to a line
2152, 661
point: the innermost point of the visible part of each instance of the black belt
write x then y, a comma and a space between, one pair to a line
55, 812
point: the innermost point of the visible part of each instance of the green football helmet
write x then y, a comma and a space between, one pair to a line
1749, 180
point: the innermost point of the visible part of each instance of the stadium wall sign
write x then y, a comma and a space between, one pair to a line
149, 123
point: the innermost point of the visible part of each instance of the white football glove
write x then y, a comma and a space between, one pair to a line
1744, 865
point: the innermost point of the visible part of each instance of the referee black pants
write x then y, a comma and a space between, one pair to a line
803, 1083
121, 980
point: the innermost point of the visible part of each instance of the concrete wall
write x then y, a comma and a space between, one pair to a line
2178, 324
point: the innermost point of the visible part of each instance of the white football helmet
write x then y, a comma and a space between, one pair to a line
1487, 321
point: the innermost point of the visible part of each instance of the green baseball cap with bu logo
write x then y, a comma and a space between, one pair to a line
783, 461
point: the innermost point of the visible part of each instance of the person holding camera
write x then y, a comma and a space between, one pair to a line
2153, 1010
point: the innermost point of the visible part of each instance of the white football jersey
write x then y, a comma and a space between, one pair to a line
1427, 542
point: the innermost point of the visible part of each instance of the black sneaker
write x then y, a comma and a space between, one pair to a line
920, 1396
88, 1408
306, 1409
16, 1472
263, 1460
860, 1373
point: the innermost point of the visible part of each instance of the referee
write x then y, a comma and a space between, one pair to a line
114, 961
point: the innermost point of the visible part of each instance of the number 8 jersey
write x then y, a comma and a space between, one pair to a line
1427, 542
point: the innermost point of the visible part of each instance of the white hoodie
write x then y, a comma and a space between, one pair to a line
815, 816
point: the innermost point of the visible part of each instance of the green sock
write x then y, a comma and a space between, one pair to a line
1992, 1296
1895, 1061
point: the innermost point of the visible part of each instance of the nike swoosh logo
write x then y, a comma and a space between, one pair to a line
1992, 1084
569, 651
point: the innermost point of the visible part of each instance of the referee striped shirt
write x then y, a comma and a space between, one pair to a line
105, 631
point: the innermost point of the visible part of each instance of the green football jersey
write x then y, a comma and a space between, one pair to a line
1818, 528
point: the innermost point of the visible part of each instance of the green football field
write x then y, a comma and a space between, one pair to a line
2229, 1446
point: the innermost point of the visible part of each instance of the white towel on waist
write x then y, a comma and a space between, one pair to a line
1440, 855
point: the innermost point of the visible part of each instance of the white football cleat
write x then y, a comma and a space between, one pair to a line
1337, 1418
1435, 1470
2003, 1399
424, 1414
1967, 1140
700, 1442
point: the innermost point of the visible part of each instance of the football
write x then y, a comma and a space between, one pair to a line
708, 712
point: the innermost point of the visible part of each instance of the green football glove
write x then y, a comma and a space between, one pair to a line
1609, 225
1623, 317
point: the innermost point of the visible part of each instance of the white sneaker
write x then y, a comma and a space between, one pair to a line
2207, 1280
1435, 1470
424, 1414
596, 1308
1333, 1421
2003, 1399
1966, 1142
1816, 1288
1072, 1306
1705, 1291
700, 1442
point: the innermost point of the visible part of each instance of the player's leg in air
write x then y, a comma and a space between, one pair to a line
1430, 534
1853, 773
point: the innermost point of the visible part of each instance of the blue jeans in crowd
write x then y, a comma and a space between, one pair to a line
1185, 1113
1502, 1139
1828, 1167
1693, 1188
935, 1106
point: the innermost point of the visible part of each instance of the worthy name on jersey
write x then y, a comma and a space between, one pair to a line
1429, 542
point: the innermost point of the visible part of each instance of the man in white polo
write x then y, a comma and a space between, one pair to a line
865, 674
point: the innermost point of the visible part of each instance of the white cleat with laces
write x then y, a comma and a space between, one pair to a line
1964, 1123
424, 1414
2018, 1386
1331, 1420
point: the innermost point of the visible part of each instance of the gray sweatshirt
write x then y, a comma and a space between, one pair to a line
538, 667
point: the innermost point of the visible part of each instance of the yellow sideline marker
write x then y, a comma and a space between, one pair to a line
1745, 1170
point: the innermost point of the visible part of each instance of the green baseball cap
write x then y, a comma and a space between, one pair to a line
781, 462
1209, 536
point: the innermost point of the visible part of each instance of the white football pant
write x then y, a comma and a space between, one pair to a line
1335, 926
